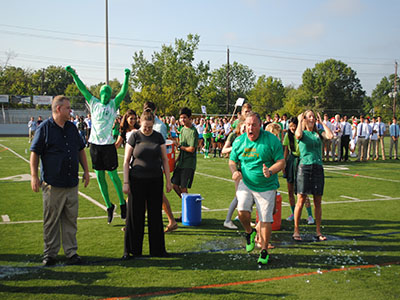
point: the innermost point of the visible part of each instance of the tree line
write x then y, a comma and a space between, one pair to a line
172, 79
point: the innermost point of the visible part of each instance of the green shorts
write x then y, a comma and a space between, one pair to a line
183, 177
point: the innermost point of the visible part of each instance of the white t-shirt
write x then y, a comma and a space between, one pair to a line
103, 117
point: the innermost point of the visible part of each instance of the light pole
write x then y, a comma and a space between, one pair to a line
107, 72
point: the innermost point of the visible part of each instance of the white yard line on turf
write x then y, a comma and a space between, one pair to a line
93, 201
205, 211
363, 176
362, 200
80, 193
209, 210
381, 196
351, 198
12, 151
225, 179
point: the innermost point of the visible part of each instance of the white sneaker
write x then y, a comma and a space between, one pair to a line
230, 225
310, 220
290, 218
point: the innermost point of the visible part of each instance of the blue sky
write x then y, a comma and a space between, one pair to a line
275, 38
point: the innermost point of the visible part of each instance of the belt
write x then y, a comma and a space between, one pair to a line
362, 137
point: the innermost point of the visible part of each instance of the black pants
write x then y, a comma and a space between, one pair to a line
145, 192
345, 140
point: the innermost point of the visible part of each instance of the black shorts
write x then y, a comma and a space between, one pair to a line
104, 157
183, 177
310, 179
291, 168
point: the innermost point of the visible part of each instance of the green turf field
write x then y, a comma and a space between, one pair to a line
360, 260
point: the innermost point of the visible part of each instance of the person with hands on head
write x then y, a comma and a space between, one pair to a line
145, 154
102, 148
60, 148
310, 174
261, 158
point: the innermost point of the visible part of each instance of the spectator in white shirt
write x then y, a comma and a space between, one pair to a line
327, 143
381, 135
363, 133
32, 128
345, 140
373, 140
337, 136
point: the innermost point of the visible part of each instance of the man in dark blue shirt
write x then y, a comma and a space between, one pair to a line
60, 148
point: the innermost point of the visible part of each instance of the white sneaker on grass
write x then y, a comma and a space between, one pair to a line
230, 225
290, 218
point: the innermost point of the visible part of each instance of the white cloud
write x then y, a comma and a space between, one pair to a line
230, 37
251, 3
343, 8
305, 34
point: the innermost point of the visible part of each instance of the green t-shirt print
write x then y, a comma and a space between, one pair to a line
267, 150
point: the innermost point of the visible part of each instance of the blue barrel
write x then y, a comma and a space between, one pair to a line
191, 209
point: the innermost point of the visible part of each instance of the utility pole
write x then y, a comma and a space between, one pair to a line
228, 84
395, 89
41, 85
107, 79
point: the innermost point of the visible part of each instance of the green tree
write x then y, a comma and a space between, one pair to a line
381, 102
76, 97
51, 81
15, 81
294, 102
241, 79
267, 95
171, 79
332, 86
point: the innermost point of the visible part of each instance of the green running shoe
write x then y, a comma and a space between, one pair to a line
250, 239
263, 259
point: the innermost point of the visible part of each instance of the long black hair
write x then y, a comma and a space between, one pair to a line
291, 134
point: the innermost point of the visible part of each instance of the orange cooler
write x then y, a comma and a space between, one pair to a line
278, 215
170, 154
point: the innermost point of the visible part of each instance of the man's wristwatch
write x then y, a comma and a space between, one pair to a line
270, 173
179, 147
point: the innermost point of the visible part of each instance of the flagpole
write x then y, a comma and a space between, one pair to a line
107, 71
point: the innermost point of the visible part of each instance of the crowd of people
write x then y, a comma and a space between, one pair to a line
257, 150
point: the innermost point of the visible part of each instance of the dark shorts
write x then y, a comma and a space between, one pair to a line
310, 180
291, 168
183, 177
104, 157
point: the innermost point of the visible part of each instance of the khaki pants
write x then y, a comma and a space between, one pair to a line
60, 213
327, 149
381, 142
372, 145
393, 143
31, 135
336, 146
362, 145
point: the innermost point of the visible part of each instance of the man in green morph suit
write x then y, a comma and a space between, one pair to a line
102, 148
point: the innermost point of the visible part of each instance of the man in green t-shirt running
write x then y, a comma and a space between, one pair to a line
261, 157
182, 178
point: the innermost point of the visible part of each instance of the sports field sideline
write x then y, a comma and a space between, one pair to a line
360, 259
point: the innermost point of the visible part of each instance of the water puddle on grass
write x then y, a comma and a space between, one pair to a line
8, 271
226, 244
